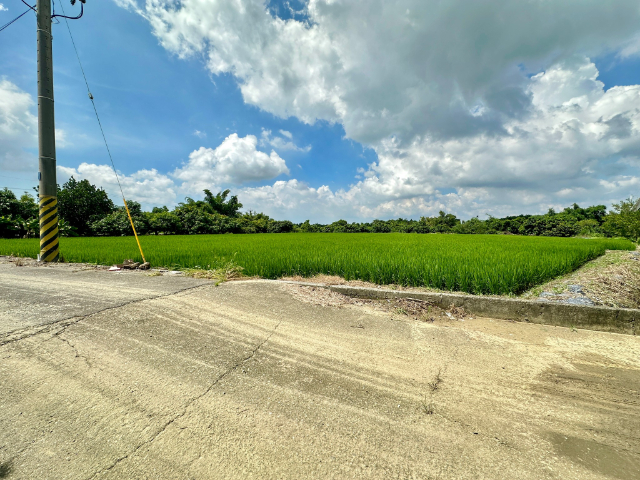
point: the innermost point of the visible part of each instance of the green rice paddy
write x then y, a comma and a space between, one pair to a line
480, 264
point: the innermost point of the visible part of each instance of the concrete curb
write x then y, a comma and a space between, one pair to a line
606, 319
619, 320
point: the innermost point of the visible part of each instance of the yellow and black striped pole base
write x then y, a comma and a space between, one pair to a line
49, 246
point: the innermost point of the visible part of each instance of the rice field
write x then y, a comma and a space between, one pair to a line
479, 264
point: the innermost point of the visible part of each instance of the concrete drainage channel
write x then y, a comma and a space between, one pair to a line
617, 320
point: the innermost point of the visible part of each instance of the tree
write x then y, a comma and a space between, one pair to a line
19, 217
117, 222
219, 205
624, 221
380, 226
9, 204
280, 226
28, 208
81, 204
163, 222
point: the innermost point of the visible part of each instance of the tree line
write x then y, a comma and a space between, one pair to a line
86, 210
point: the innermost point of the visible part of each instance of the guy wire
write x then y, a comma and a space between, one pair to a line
102, 131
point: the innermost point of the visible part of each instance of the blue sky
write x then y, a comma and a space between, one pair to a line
371, 110
151, 103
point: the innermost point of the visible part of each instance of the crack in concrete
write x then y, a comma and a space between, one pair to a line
188, 405
68, 321
59, 336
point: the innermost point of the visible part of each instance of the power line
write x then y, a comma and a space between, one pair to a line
92, 101
12, 178
9, 23
31, 7
65, 15
19, 189
98, 118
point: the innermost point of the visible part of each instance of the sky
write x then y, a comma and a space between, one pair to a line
329, 109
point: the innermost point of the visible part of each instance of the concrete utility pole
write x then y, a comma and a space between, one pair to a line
49, 249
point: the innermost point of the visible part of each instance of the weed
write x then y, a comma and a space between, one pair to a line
226, 272
435, 383
5, 468
427, 408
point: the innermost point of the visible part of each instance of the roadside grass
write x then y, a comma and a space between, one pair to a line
476, 264
611, 280
229, 271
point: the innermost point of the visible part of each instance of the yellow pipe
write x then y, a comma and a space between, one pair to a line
134, 229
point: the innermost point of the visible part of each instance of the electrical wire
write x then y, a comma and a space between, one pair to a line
70, 18
53, 19
12, 178
100, 125
32, 8
9, 23
17, 188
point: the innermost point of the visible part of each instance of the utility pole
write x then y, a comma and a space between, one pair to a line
48, 194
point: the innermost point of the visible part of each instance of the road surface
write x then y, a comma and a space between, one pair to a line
129, 376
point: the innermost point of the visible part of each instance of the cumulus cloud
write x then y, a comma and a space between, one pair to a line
279, 143
405, 68
235, 161
580, 144
470, 106
148, 187
18, 128
3, 8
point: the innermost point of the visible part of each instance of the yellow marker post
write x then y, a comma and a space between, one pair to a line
134, 229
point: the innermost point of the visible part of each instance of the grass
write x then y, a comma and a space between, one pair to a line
435, 383
479, 264
611, 280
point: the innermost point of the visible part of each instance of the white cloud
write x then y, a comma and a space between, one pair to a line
280, 143
18, 128
380, 71
631, 49
200, 134
3, 8
235, 161
148, 187
129, 5
440, 90
580, 144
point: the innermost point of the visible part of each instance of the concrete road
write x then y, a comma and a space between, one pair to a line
166, 378
47, 293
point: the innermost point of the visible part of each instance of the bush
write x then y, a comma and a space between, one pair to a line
284, 226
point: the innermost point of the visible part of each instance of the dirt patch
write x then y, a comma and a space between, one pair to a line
322, 279
408, 307
612, 280
31, 262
